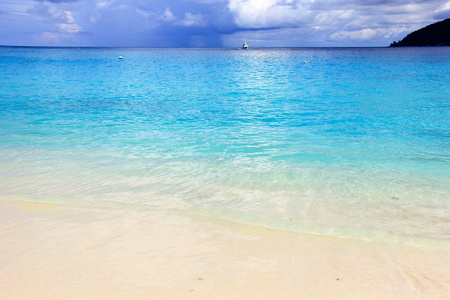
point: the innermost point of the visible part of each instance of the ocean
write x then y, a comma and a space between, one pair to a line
331, 141
341, 143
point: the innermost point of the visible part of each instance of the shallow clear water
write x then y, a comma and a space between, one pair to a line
354, 142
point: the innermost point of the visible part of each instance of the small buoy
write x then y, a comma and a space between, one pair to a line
305, 62
120, 57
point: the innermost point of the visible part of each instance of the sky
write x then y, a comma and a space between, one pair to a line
214, 23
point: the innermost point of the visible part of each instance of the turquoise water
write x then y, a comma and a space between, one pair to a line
325, 141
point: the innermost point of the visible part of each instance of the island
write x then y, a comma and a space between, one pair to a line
436, 34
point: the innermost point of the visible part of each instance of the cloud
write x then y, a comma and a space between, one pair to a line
57, 1
336, 22
49, 12
104, 4
215, 23
208, 1
60, 23
69, 17
168, 16
270, 13
191, 19
443, 12
360, 35
69, 28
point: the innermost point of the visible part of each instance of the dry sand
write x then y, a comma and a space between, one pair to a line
55, 251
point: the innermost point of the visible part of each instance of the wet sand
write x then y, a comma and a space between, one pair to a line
63, 251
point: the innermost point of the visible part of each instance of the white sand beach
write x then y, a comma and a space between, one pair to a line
62, 251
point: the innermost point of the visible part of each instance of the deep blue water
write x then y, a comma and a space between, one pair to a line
329, 140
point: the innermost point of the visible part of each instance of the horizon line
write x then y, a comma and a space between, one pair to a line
187, 47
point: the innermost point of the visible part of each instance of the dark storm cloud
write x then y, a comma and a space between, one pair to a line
215, 23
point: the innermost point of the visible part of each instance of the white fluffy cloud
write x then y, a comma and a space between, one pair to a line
336, 21
170, 23
270, 13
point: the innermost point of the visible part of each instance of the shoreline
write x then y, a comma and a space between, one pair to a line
54, 251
